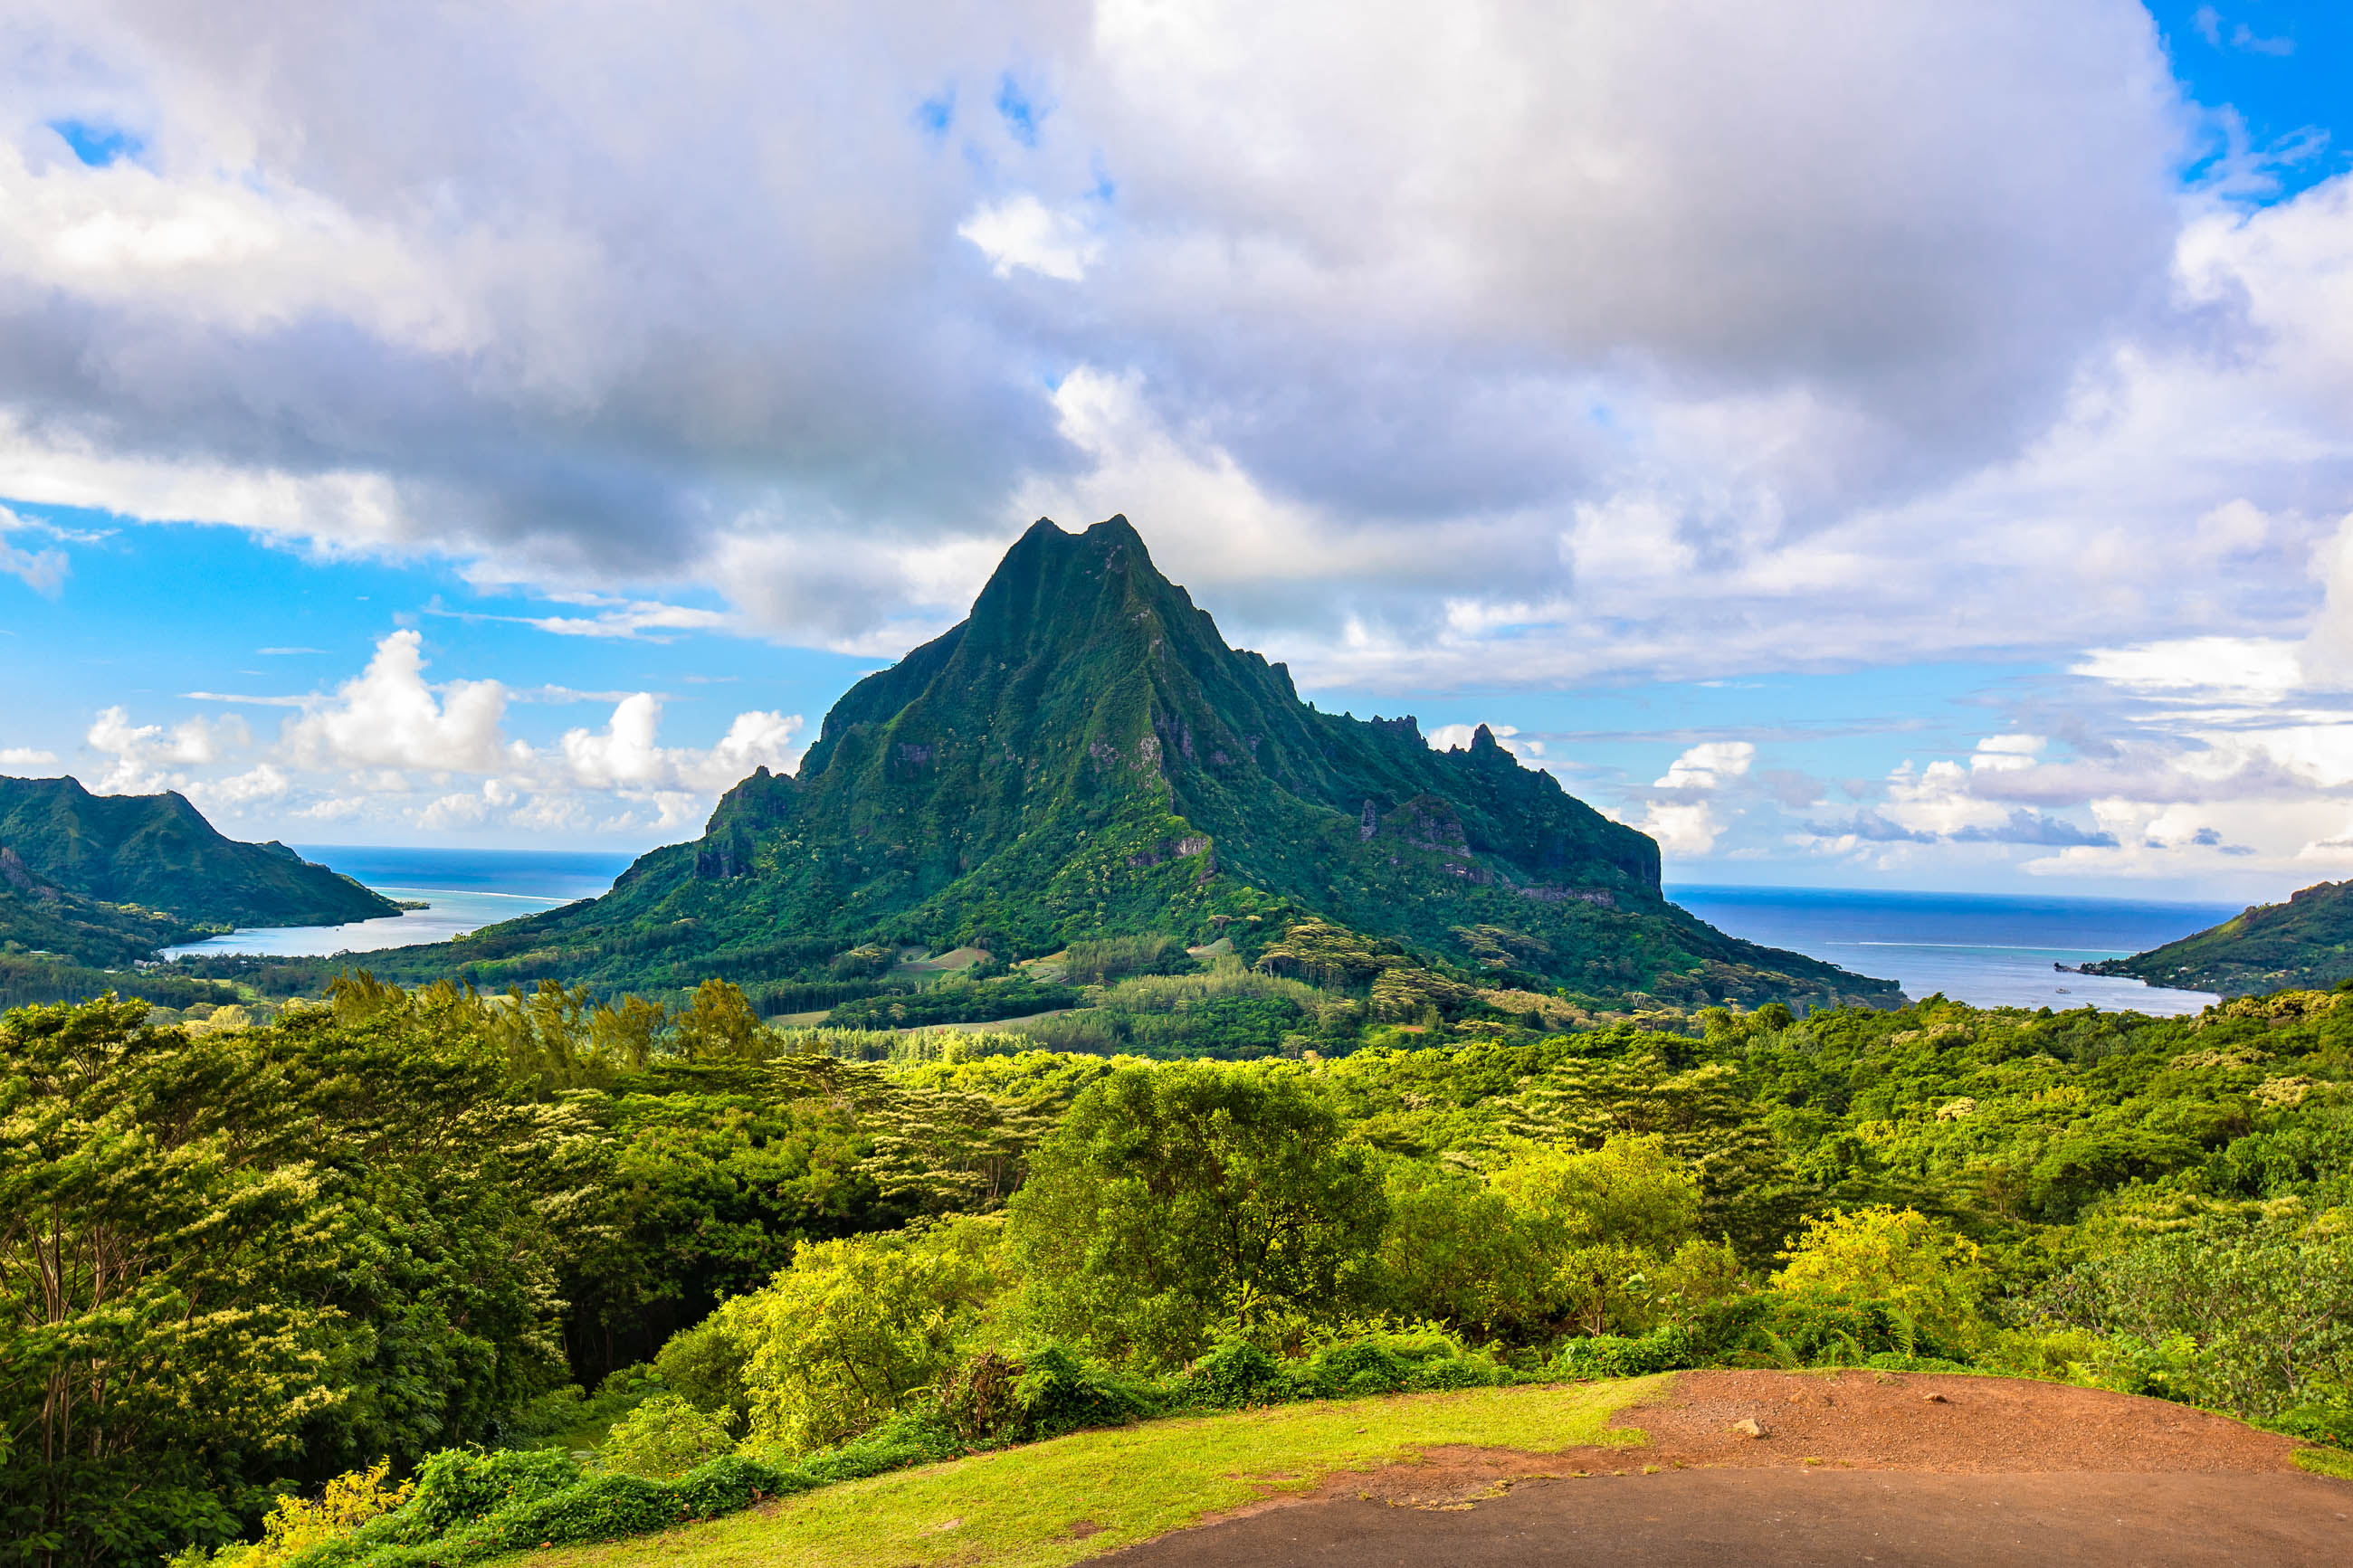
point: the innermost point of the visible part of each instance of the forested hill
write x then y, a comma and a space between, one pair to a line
107, 879
1085, 756
2306, 941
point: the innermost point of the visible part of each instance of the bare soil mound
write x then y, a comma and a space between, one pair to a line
1803, 1467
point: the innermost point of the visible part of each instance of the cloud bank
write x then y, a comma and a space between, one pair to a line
392, 750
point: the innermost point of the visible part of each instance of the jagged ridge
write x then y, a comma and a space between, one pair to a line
1085, 755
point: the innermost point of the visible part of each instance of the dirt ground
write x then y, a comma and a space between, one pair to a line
1858, 1467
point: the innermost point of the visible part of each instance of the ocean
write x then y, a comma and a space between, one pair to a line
1989, 950
468, 889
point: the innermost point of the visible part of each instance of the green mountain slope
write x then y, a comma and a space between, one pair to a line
1084, 757
2306, 942
109, 878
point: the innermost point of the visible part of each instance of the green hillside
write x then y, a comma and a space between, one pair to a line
1086, 757
2307, 941
107, 880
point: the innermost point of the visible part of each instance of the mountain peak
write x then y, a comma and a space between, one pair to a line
1085, 755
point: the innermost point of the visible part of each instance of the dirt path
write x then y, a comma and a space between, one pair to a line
1851, 1467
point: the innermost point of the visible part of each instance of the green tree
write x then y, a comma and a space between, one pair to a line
1456, 1251
255, 1256
1916, 1264
1604, 1221
720, 1025
1175, 1200
838, 1341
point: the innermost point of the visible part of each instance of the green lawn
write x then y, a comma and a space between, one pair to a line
1019, 1508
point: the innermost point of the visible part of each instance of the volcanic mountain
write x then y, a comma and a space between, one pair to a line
1085, 756
108, 878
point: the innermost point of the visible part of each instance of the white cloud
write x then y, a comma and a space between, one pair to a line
388, 747
1636, 304
147, 757
1709, 765
1688, 829
1024, 232
26, 757
387, 716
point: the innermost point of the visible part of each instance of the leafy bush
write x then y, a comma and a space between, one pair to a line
2329, 1425
1058, 1392
1929, 1278
2262, 1301
664, 1437
704, 1364
1234, 1374
469, 1505
1814, 1325
294, 1525
1614, 1355
839, 1339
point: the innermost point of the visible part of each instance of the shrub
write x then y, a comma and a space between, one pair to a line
1929, 1278
705, 1365
840, 1338
1614, 1355
2329, 1425
1352, 1370
1235, 1374
1059, 1393
2263, 1303
457, 1484
664, 1437
294, 1525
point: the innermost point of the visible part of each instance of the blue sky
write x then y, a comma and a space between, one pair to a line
1862, 444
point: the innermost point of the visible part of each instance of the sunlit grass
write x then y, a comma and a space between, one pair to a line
1026, 1508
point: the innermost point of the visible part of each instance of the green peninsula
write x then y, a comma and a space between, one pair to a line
106, 880
2306, 942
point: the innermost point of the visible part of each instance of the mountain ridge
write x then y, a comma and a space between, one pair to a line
1084, 756
109, 879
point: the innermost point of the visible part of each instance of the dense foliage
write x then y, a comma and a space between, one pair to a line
236, 1263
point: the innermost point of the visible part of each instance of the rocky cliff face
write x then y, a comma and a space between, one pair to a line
1085, 755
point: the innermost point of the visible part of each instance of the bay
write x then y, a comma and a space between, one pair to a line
466, 890
1989, 950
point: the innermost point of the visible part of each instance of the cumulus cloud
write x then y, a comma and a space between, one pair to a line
388, 745
27, 757
1709, 764
1637, 302
387, 716
144, 755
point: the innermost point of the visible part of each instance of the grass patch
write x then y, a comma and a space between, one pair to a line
2335, 1462
1021, 1508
